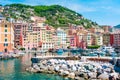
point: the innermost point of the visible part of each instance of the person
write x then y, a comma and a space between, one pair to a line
98, 55
35, 54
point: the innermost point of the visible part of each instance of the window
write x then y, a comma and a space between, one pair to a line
5, 40
5, 30
5, 26
5, 44
5, 35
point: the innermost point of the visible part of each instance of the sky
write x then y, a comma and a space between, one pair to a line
104, 12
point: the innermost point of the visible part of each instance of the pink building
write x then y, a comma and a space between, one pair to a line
81, 40
77, 37
20, 32
116, 37
73, 40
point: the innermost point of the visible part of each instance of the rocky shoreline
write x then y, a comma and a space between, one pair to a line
76, 69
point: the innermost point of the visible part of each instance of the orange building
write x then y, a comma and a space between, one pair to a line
6, 36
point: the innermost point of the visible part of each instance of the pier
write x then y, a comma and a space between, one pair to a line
99, 59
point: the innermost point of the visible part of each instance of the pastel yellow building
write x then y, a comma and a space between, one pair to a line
46, 38
106, 38
31, 40
6, 36
99, 39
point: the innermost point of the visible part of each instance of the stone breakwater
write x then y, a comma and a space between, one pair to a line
76, 69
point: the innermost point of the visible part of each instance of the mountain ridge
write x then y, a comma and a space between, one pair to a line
117, 26
56, 15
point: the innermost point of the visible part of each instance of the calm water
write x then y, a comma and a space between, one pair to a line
15, 70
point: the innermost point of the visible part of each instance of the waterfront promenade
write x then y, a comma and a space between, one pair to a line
92, 58
52, 56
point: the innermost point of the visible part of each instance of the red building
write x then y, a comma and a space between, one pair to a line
111, 39
116, 36
20, 32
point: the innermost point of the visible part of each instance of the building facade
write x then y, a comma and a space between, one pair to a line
31, 41
116, 36
20, 33
46, 39
106, 39
62, 37
99, 39
6, 36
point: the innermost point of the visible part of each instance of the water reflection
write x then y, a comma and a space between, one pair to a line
15, 70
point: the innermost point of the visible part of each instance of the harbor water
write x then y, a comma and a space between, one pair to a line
14, 69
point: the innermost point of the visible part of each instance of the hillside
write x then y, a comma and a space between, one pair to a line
56, 15
118, 26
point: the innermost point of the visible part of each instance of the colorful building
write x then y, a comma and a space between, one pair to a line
111, 39
6, 36
99, 39
116, 38
106, 38
31, 40
46, 36
107, 28
81, 40
73, 41
62, 37
20, 33
89, 39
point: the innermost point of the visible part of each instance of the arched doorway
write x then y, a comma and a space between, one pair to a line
5, 50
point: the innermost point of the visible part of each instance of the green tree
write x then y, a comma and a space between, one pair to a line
93, 47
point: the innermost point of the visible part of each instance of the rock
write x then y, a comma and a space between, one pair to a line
51, 68
42, 66
39, 64
44, 62
65, 73
49, 72
76, 73
61, 72
82, 74
29, 69
74, 68
71, 75
89, 67
108, 70
56, 68
92, 75
64, 67
114, 74
79, 78
45, 68
36, 67
33, 70
103, 76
